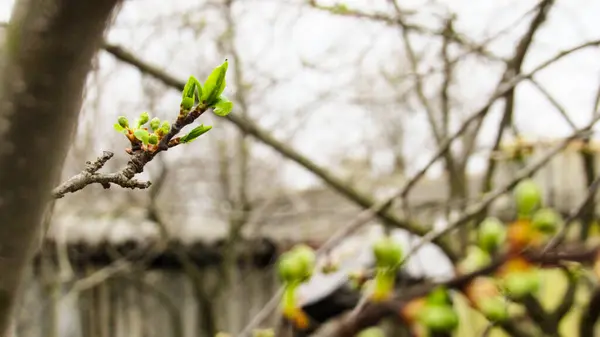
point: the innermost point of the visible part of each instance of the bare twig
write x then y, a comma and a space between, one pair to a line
561, 109
399, 20
560, 236
90, 176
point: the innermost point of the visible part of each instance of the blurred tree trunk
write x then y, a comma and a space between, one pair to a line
49, 46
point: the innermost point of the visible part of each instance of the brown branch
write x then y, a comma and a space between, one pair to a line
561, 109
90, 176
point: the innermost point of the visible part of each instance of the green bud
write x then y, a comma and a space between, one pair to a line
439, 296
288, 268
155, 123
263, 333
340, 8
187, 103
142, 135
165, 127
307, 258
372, 332
476, 259
519, 284
494, 308
144, 117
439, 318
153, 139
528, 197
492, 234
123, 121
387, 253
383, 285
189, 90
546, 220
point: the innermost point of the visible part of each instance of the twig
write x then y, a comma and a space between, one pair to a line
561, 109
398, 20
90, 176
138, 160
560, 236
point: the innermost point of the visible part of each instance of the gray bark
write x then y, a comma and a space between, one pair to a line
49, 46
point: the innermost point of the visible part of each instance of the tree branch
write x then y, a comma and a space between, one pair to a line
90, 176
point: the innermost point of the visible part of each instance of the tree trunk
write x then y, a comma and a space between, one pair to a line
49, 46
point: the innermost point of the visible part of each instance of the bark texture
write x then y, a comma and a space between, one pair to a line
48, 51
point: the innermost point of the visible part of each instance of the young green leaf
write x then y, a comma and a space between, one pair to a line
195, 133
190, 88
119, 128
191, 92
142, 135
187, 103
223, 107
215, 84
144, 117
